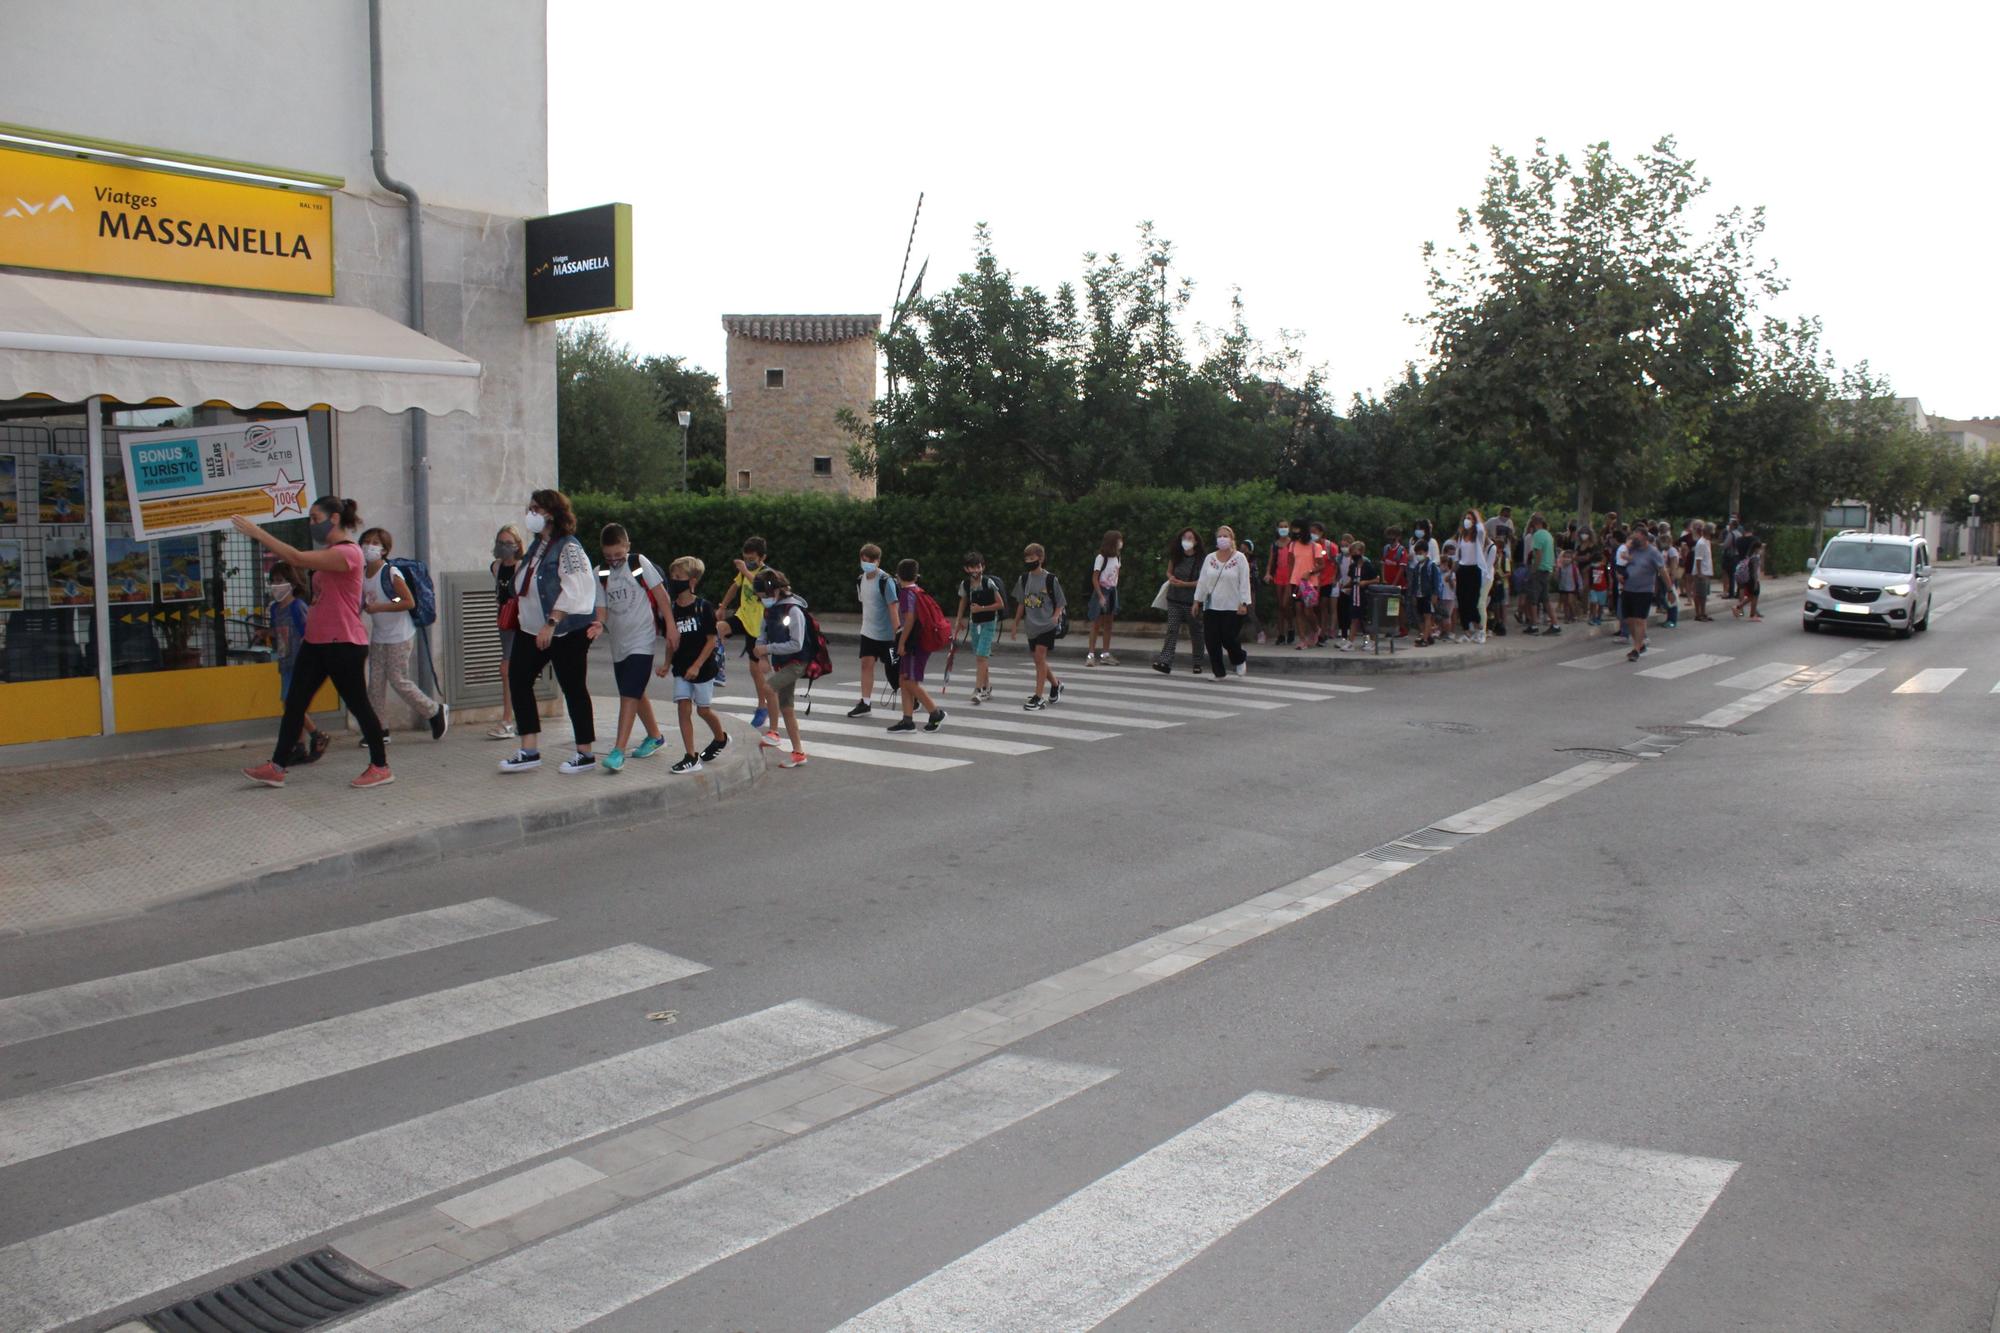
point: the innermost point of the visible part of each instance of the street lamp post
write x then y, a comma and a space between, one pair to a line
1972, 536
686, 419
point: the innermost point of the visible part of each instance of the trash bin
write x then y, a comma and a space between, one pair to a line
1385, 605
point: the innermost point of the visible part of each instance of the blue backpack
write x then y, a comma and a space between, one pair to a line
418, 579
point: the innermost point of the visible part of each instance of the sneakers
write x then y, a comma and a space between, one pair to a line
440, 722
372, 776
649, 747
1243, 667
980, 696
1530, 629
761, 718
1479, 636
362, 744
521, 761
713, 749
317, 746
770, 740
937, 720
1106, 659
1342, 644
1367, 644
796, 759
1035, 704
686, 764
503, 732
861, 709
1164, 668
612, 762
1055, 690
905, 724
1553, 629
578, 763
267, 773
1090, 659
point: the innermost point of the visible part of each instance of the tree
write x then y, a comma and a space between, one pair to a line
1583, 319
1776, 413
616, 430
680, 386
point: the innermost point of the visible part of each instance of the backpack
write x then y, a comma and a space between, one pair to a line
633, 564
1050, 587
933, 631
418, 579
1743, 571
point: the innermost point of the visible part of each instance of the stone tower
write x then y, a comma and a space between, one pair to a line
788, 377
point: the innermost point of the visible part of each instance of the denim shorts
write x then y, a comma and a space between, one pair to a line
702, 692
983, 637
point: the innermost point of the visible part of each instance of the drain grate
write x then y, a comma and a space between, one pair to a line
1455, 728
305, 1293
1597, 752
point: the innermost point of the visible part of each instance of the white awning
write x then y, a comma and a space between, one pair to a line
69, 340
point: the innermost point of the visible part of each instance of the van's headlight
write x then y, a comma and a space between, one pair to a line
1898, 590
1815, 583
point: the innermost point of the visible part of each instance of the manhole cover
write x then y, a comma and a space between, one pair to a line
1593, 752
1455, 728
308, 1291
1691, 729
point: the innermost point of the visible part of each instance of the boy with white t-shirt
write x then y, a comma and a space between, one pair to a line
633, 592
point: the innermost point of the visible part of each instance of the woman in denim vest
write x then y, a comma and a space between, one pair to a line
559, 597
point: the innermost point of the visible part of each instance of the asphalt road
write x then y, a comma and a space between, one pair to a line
1698, 1041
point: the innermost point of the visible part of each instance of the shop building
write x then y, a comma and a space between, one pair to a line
203, 241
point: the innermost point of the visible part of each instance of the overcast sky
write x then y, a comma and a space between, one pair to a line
773, 153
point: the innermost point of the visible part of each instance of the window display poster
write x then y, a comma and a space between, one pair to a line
61, 488
117, 500
11, 583
180, 569
128, 570
10, 503
68, 565
184, 481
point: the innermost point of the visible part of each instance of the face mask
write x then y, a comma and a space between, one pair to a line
1032, 564
320, 531
1223, 543
371, 553
1465, 525
768, 601
1284, 532
869, 566
535, 523
752, 562
505, 550
1418, 534
280, 591
1187, 543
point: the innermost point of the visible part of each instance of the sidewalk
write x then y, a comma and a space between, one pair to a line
92, 841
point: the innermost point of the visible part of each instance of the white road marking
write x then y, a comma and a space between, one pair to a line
1756, 678
1685, 666
1598, 661
87, 1003
1143, 701
1264, 686
92, 1266
1063, 712
1946, 608
1570, 1247
1757, 701
1089, 1256
851, 754
1846, 680
95, 1108
603, 1266
977, 717
878, 732
1932, 680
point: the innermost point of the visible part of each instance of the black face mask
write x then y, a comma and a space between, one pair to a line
675, 587
1033, 564
320, 531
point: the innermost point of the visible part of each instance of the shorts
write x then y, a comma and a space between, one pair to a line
1599, 597
1635, 605
1701, 586
633, 674
701, 692
983, 637
1538, 587
1103, 602
884, 651
911, 668
785, 681
735, 624
1046, 639
507, 637
1425, 606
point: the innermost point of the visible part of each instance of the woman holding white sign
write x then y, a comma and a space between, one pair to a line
336, 642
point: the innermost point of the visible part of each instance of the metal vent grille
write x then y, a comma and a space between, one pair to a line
305, 1293
470, 649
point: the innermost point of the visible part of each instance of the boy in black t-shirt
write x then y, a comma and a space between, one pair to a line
694, 663
981, 595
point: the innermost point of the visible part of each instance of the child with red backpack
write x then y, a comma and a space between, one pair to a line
924, 631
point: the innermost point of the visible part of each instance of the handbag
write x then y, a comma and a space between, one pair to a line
1160, 598
510, 614
1309, 594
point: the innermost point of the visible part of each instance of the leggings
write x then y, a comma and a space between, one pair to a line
1471, 598
569, 653
346, 665
1223, 630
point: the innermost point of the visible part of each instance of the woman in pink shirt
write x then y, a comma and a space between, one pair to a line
336, 642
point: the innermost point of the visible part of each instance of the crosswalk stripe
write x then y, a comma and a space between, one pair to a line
1255, 687
92, 1266
1132, 722
1597, 661
108, 999
1685, 666
1846, 680
944, 739
1264, 683
1758, 700
95, 1108
964, 717
1756, 678
1570, 1247
578, 1276
1109, 696
1075, 1265
854, 754
1932, 680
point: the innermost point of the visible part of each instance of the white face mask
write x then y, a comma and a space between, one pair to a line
371, 553
1187, 543
280, 591
1284, 532
1465, 525
1223, 543
534, 522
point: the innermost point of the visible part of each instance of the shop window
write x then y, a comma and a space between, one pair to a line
774, 379
48, 580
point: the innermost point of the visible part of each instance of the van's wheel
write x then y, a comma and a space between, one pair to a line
1925, 623
1812, 626
1905, 632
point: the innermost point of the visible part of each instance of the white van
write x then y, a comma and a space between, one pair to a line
1872, 580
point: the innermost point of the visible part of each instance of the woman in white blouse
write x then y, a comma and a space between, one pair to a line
1473, 550
1223, 592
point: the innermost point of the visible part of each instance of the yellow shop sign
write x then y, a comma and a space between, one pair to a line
80, 216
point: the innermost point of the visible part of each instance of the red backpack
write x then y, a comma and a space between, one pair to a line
933, 631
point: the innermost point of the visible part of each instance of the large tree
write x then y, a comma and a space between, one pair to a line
616, 427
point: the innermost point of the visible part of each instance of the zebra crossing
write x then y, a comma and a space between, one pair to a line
1098, 704
1669, 666
566, 1198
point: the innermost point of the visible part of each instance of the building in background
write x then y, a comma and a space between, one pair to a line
185, 328
789, 378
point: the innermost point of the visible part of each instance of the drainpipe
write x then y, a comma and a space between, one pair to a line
420, 459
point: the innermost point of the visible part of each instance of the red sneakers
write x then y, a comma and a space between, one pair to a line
267, 773
373, 776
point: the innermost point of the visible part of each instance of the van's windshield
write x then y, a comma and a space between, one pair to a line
1873, 557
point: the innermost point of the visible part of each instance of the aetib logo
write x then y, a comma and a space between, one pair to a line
21, 208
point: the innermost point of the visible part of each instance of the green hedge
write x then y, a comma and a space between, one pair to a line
815, 540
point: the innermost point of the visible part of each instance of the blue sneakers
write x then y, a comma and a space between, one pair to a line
760, 719
612, 762
647, 748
